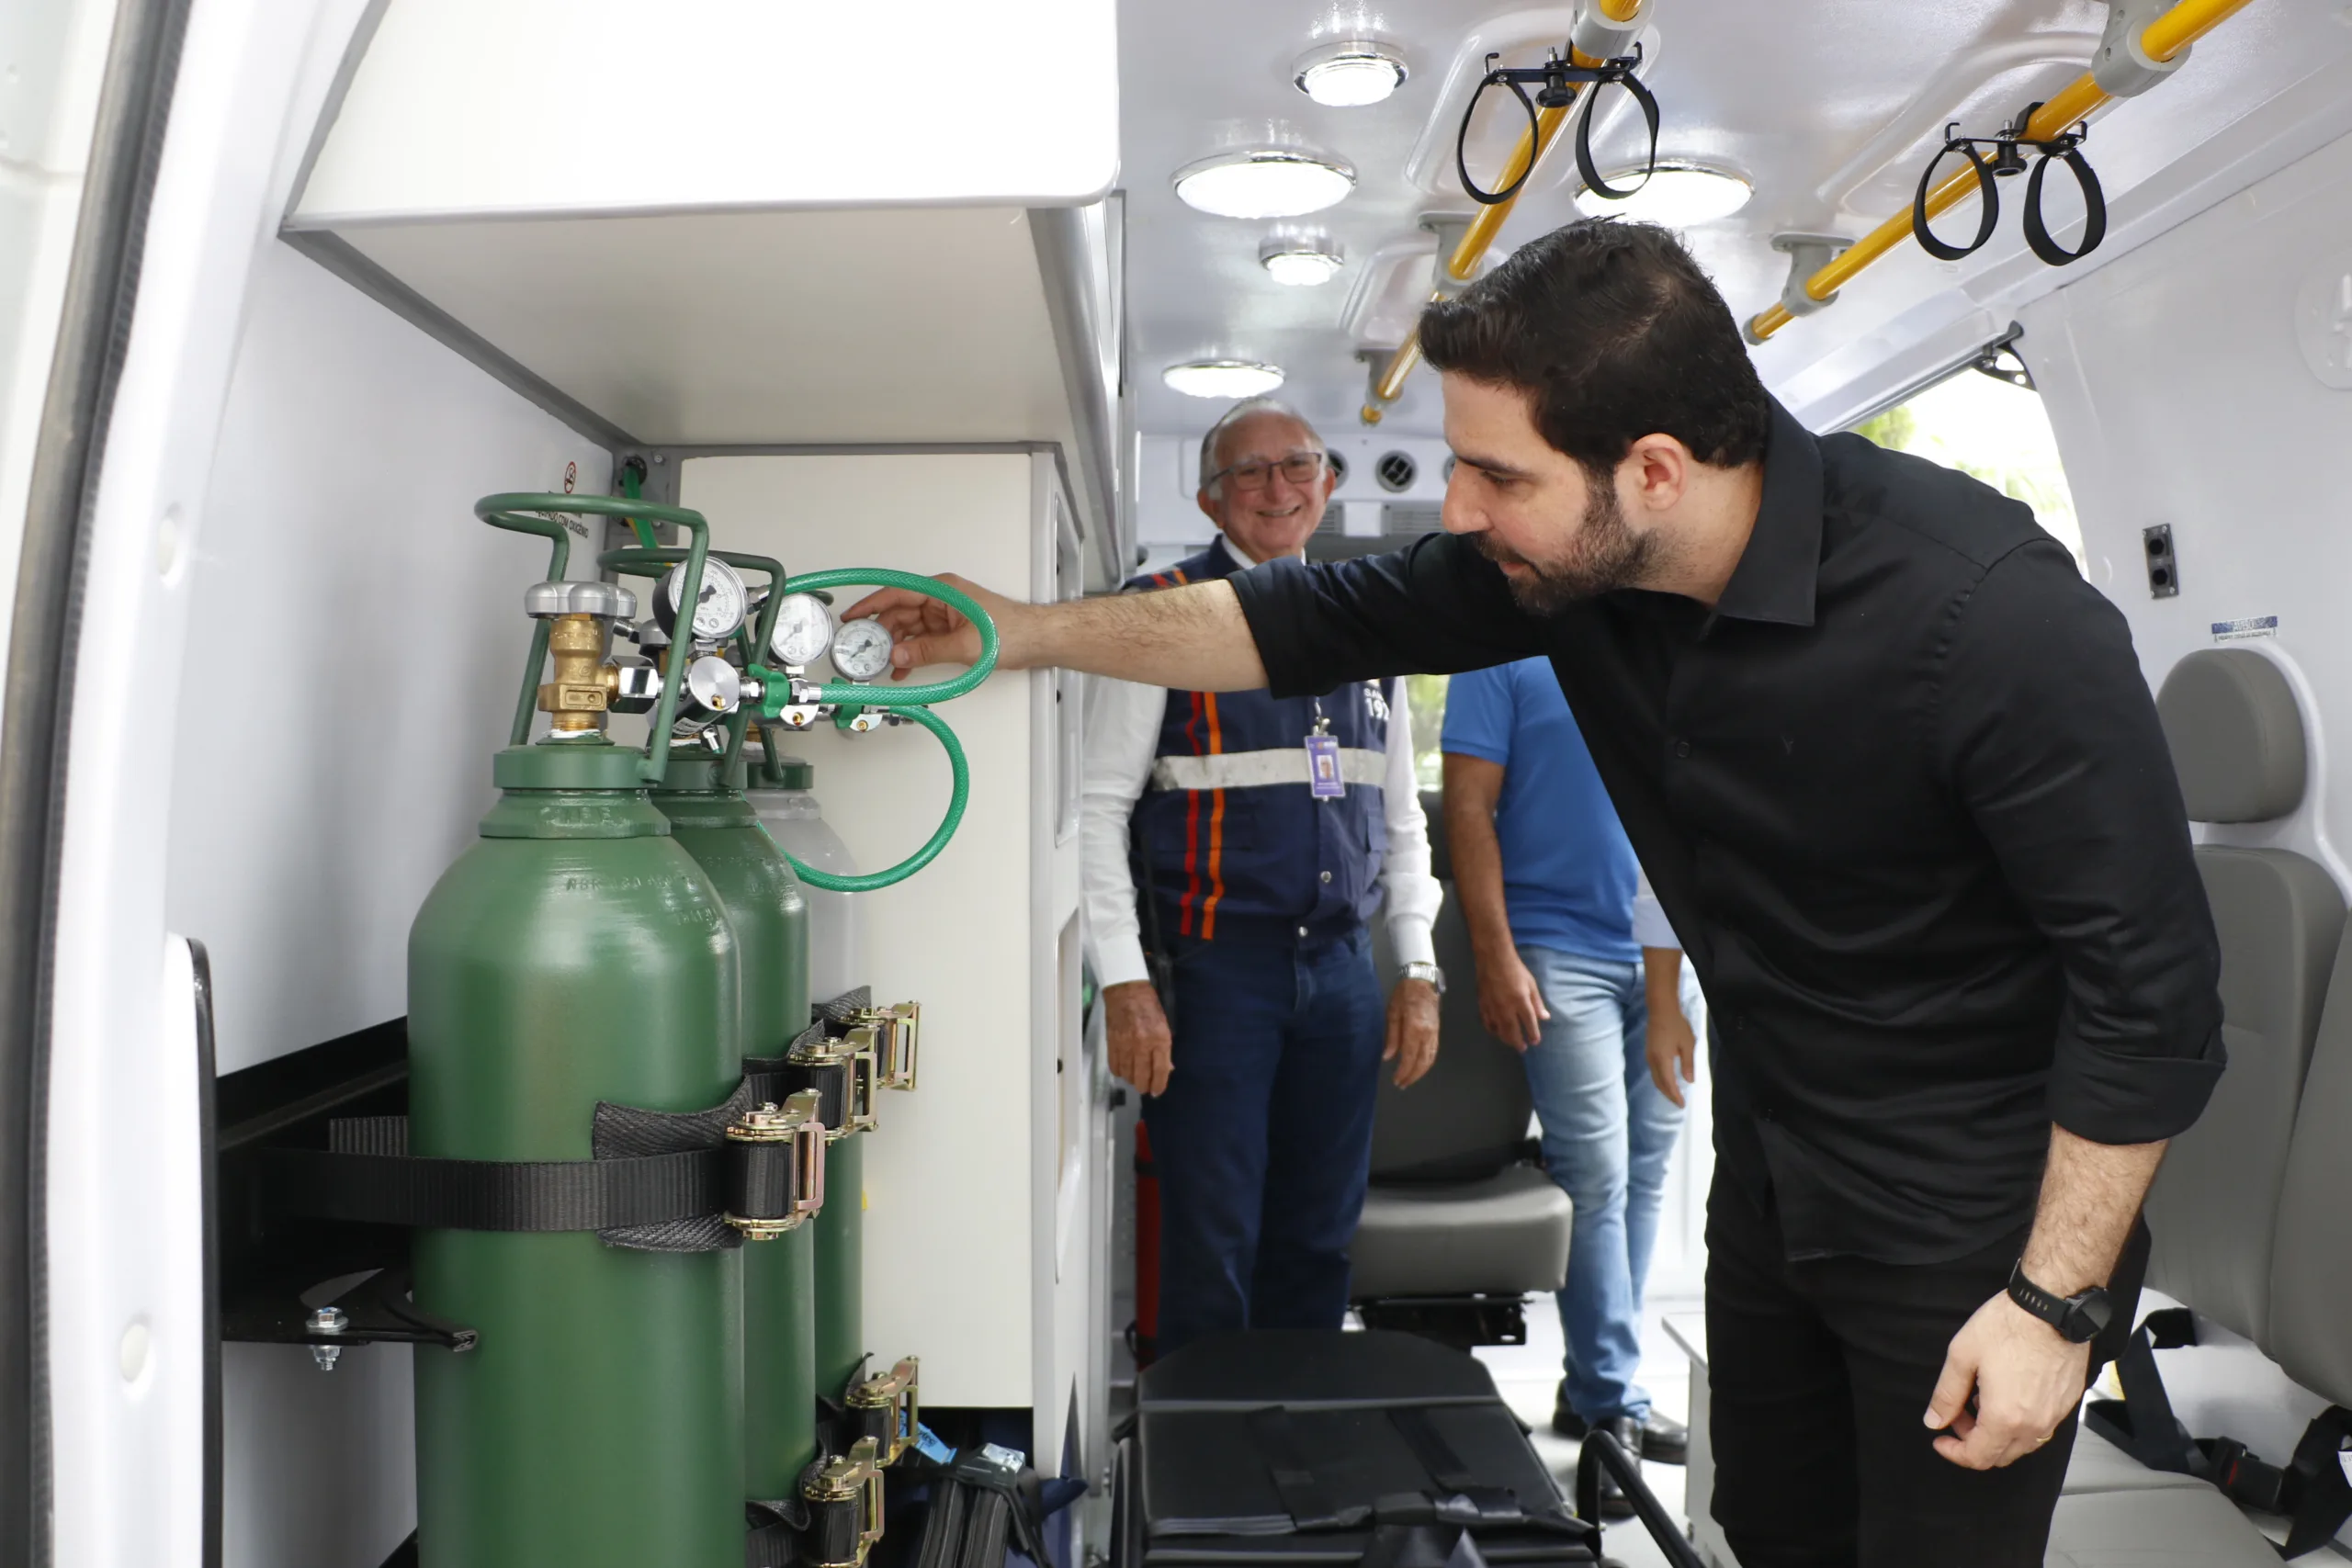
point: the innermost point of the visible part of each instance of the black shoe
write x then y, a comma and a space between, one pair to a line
1614, 1503
1664, 1440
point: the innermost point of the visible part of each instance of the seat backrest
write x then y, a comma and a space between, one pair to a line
2236, 737
1469, 1117
2309, 1330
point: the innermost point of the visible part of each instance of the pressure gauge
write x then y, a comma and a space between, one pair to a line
804, 628
862, 650
722, 607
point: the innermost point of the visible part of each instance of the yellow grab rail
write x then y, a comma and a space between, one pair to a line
1480, 236
2165, 36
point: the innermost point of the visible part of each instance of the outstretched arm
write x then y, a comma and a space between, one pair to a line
1191, 639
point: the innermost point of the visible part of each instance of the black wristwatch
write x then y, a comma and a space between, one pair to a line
2077, 1319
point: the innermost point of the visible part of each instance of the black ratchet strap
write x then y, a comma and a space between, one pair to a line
1559, 79
660, 1181
494, 1195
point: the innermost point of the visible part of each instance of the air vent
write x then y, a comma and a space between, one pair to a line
1402, 522
1338, 465
1445, 475
1396, 472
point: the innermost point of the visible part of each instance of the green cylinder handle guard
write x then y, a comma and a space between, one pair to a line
515, 512
909, 702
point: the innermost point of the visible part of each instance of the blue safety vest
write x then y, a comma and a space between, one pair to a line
1228, 837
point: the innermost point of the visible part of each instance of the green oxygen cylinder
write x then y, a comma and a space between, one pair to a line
841, 1265
575, 954
710, 820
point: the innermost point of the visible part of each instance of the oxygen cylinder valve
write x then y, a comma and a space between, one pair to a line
587, 686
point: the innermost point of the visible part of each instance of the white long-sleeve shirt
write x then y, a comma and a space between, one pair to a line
1651, 928
1122, 722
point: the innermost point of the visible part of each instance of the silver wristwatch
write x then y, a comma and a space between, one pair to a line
1429, 973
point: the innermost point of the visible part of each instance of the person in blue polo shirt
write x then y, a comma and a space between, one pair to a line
1577, 971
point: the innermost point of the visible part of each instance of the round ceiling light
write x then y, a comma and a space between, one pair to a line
1304, 261
1349, 75
1677, 196
1222, 378
1264, 182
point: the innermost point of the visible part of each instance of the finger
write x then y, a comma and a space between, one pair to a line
1690, 1058
1662, 1075
884, 601
1950, 1398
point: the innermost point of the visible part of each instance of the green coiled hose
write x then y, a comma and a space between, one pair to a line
909, 702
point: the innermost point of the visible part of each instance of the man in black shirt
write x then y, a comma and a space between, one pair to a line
1894, 773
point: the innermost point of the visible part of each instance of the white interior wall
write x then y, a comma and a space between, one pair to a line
355, 644
2190, 383
953, 1172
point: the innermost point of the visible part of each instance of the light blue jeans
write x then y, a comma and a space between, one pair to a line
1608, 1133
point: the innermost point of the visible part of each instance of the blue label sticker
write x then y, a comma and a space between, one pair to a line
1323, 779
927, 1444
2251, 626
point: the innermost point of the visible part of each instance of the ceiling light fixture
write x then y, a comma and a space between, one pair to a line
1677, 196
1302, 261
1351, 74
1222, 378
1263, 182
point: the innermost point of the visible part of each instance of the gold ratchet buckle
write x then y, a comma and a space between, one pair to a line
899, 1390
796, 1122
854, 1052
897, 1030
856, 1477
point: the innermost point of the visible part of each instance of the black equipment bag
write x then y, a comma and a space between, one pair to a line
1279, 1447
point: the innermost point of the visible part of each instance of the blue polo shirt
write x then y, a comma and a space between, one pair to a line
1569, 870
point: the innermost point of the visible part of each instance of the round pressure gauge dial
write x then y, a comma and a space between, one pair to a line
862, 650
721, 608
804, 629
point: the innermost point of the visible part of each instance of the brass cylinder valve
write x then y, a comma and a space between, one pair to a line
586, 684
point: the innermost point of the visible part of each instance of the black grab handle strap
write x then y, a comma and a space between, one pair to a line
2037, 232
1461, 140
1988, 202
1585, 166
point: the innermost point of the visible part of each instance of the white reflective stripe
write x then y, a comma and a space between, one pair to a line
1248, 769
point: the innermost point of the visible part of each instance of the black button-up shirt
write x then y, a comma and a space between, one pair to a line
1904, 796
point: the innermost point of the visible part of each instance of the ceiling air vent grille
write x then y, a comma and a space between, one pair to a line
1400, 520
1396, 471
1339, 463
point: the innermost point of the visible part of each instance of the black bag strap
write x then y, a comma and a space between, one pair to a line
497, 1195
1301, 1492
1465, 1498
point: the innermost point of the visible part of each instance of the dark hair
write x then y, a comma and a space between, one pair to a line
1615, 333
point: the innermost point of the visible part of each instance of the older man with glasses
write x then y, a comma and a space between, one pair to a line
1234, 846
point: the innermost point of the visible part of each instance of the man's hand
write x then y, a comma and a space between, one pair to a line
1511, 1004
1668, 1042
2028, 1379
1141, 1049
1412, 1029
930, 632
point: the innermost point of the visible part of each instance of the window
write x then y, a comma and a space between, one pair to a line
1992, 428
1427, 694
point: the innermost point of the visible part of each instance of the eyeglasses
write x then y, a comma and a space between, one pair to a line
1299, 467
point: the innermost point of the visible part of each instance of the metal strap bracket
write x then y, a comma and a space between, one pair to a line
2122, 68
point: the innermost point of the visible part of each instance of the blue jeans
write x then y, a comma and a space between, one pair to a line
1263, 1141
1608, 1133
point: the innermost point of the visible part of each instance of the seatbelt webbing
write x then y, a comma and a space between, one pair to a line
1310, 1505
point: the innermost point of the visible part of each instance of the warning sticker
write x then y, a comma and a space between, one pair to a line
2238, 631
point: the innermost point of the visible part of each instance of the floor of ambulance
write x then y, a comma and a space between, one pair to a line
1529, 1376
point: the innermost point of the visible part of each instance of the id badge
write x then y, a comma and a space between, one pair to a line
1323, 779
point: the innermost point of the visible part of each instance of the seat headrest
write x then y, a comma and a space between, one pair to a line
2236, 736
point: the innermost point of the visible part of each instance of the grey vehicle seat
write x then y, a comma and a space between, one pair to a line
2248, 1213
1454, 1208
2238, 743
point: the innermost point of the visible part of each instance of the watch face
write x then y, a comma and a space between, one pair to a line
2087, 1317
